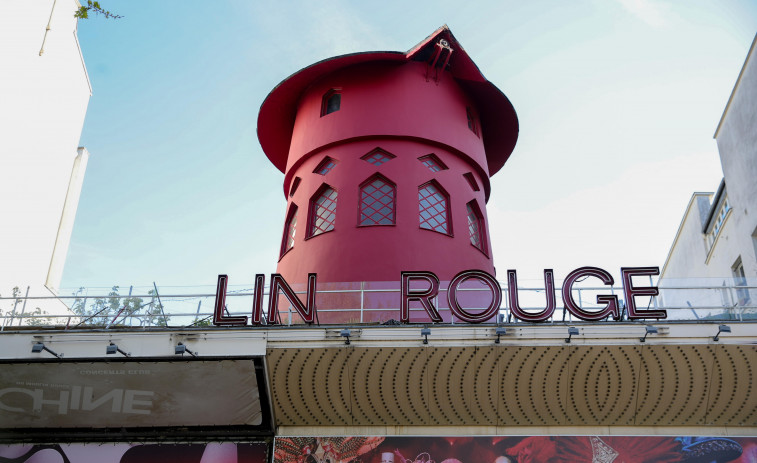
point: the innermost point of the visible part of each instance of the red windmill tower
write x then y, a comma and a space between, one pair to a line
387, 158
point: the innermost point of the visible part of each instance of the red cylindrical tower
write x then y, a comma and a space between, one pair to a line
387, 158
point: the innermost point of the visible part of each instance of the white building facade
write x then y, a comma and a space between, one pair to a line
716, 243
44, 93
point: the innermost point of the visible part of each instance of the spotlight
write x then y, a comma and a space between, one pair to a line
113, 348
425, 332
571, 332
39, 347
722, 329
649, 330
345, 333
181, 348
499, 331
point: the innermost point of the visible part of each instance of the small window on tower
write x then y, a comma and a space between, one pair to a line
325, 166
322, 211
378, 157
471, 181
295, 184
332, 101
471, 121
476, 226
433, 163
290, 228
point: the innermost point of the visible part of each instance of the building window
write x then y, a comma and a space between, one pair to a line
332, 101
295, 184
718, 221
325, 166
378, 157
721, 217
739, 280
471, 181
322, 211
471, 121
377, 202
433, 208
476, 226
433, 163
290, 228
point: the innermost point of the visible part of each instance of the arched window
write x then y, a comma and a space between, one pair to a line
377, 202
476, 230
290, 228
322, 211
332, 101
433, 208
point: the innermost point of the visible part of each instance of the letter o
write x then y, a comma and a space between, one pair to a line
463, 314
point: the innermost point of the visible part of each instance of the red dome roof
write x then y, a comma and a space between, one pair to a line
499, 123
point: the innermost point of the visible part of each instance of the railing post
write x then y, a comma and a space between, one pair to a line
654, 298
23, 306
13, 314
362, 300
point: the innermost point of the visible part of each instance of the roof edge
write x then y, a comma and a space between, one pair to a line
736, 86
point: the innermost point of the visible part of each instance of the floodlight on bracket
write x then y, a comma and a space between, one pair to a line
499, 331
572, 331
113, 348
38, 347
648, 330
425, 332
721, 329
181, 348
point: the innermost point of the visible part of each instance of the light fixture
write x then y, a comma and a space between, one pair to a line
39, 347
571, 332
649, 330
722, 329
113, 348
425, 332
345, 333
181, 348
499, 331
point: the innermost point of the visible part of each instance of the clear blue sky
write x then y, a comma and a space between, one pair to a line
617, 101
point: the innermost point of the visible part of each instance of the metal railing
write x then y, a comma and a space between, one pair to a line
348, 303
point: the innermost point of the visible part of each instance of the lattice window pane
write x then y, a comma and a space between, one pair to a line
325, 166
377, 203
324, 212
432, 209
475, 228
377, 157
432, 162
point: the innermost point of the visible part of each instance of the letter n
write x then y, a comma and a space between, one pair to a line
306, 311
